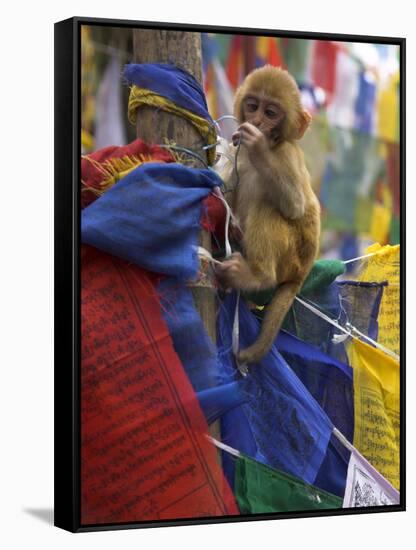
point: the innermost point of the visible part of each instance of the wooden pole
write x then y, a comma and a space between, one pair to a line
184, 50
155, 126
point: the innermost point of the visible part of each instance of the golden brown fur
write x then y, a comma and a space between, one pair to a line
273, 202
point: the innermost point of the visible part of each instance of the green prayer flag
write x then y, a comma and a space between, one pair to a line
323, 273
260, 489
395, 227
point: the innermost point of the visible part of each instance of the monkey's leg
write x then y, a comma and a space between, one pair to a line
275, 313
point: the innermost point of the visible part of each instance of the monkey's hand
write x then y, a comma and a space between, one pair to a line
253, 139
234, 272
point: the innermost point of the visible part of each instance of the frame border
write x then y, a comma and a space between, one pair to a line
67, 336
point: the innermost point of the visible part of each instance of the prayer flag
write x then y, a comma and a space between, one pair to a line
171, 82
234, 67
144, 452
314, 144
296, 55
220, 97
260, 489
365, 104
102, 169
341, 110
268, 52
395, 230
343, 301
393, 174
324, 60
383, 266
377, 408
152, 218
329, 381
388, 110
332, 474
381, 217
280, 424
367, 487
353, 167
190, 339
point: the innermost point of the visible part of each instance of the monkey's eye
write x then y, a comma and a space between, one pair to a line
251, 107
271, 113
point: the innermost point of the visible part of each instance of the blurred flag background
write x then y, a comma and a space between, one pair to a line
352, 147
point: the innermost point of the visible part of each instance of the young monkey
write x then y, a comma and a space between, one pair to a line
273, 201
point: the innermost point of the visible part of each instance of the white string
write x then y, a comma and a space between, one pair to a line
223, 117
228, 251
217, 193
242, 367
236, 326
223, 446
365, 256
236, 322
351, 330
360, 257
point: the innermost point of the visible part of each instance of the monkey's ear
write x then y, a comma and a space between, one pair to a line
303, 122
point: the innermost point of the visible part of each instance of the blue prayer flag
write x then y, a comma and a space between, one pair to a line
171, 82
328, 380
151, 218
280, 424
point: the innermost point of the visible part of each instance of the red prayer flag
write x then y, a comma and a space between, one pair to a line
324, 61
234, 67
274, 57
144, 454
103, 168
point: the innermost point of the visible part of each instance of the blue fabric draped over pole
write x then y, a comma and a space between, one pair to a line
152, 218
171, 82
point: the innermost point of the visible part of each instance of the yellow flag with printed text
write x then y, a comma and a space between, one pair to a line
385, 266
377, 408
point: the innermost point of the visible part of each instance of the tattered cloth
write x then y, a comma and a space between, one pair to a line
103, 168
152, 218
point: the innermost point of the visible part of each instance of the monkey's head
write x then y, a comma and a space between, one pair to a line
270, 100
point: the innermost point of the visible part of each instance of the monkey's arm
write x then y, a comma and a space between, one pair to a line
283, 175
281, 169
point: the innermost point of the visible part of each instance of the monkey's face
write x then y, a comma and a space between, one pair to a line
265, 114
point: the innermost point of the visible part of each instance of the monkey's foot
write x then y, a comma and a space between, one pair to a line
250, 355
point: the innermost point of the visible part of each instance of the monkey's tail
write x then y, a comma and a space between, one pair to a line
273, 319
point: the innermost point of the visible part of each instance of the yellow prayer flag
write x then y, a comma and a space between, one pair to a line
385, 266
377, 408
262, 46
388, 110
381, 217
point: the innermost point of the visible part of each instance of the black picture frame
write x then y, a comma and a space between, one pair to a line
67, 269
